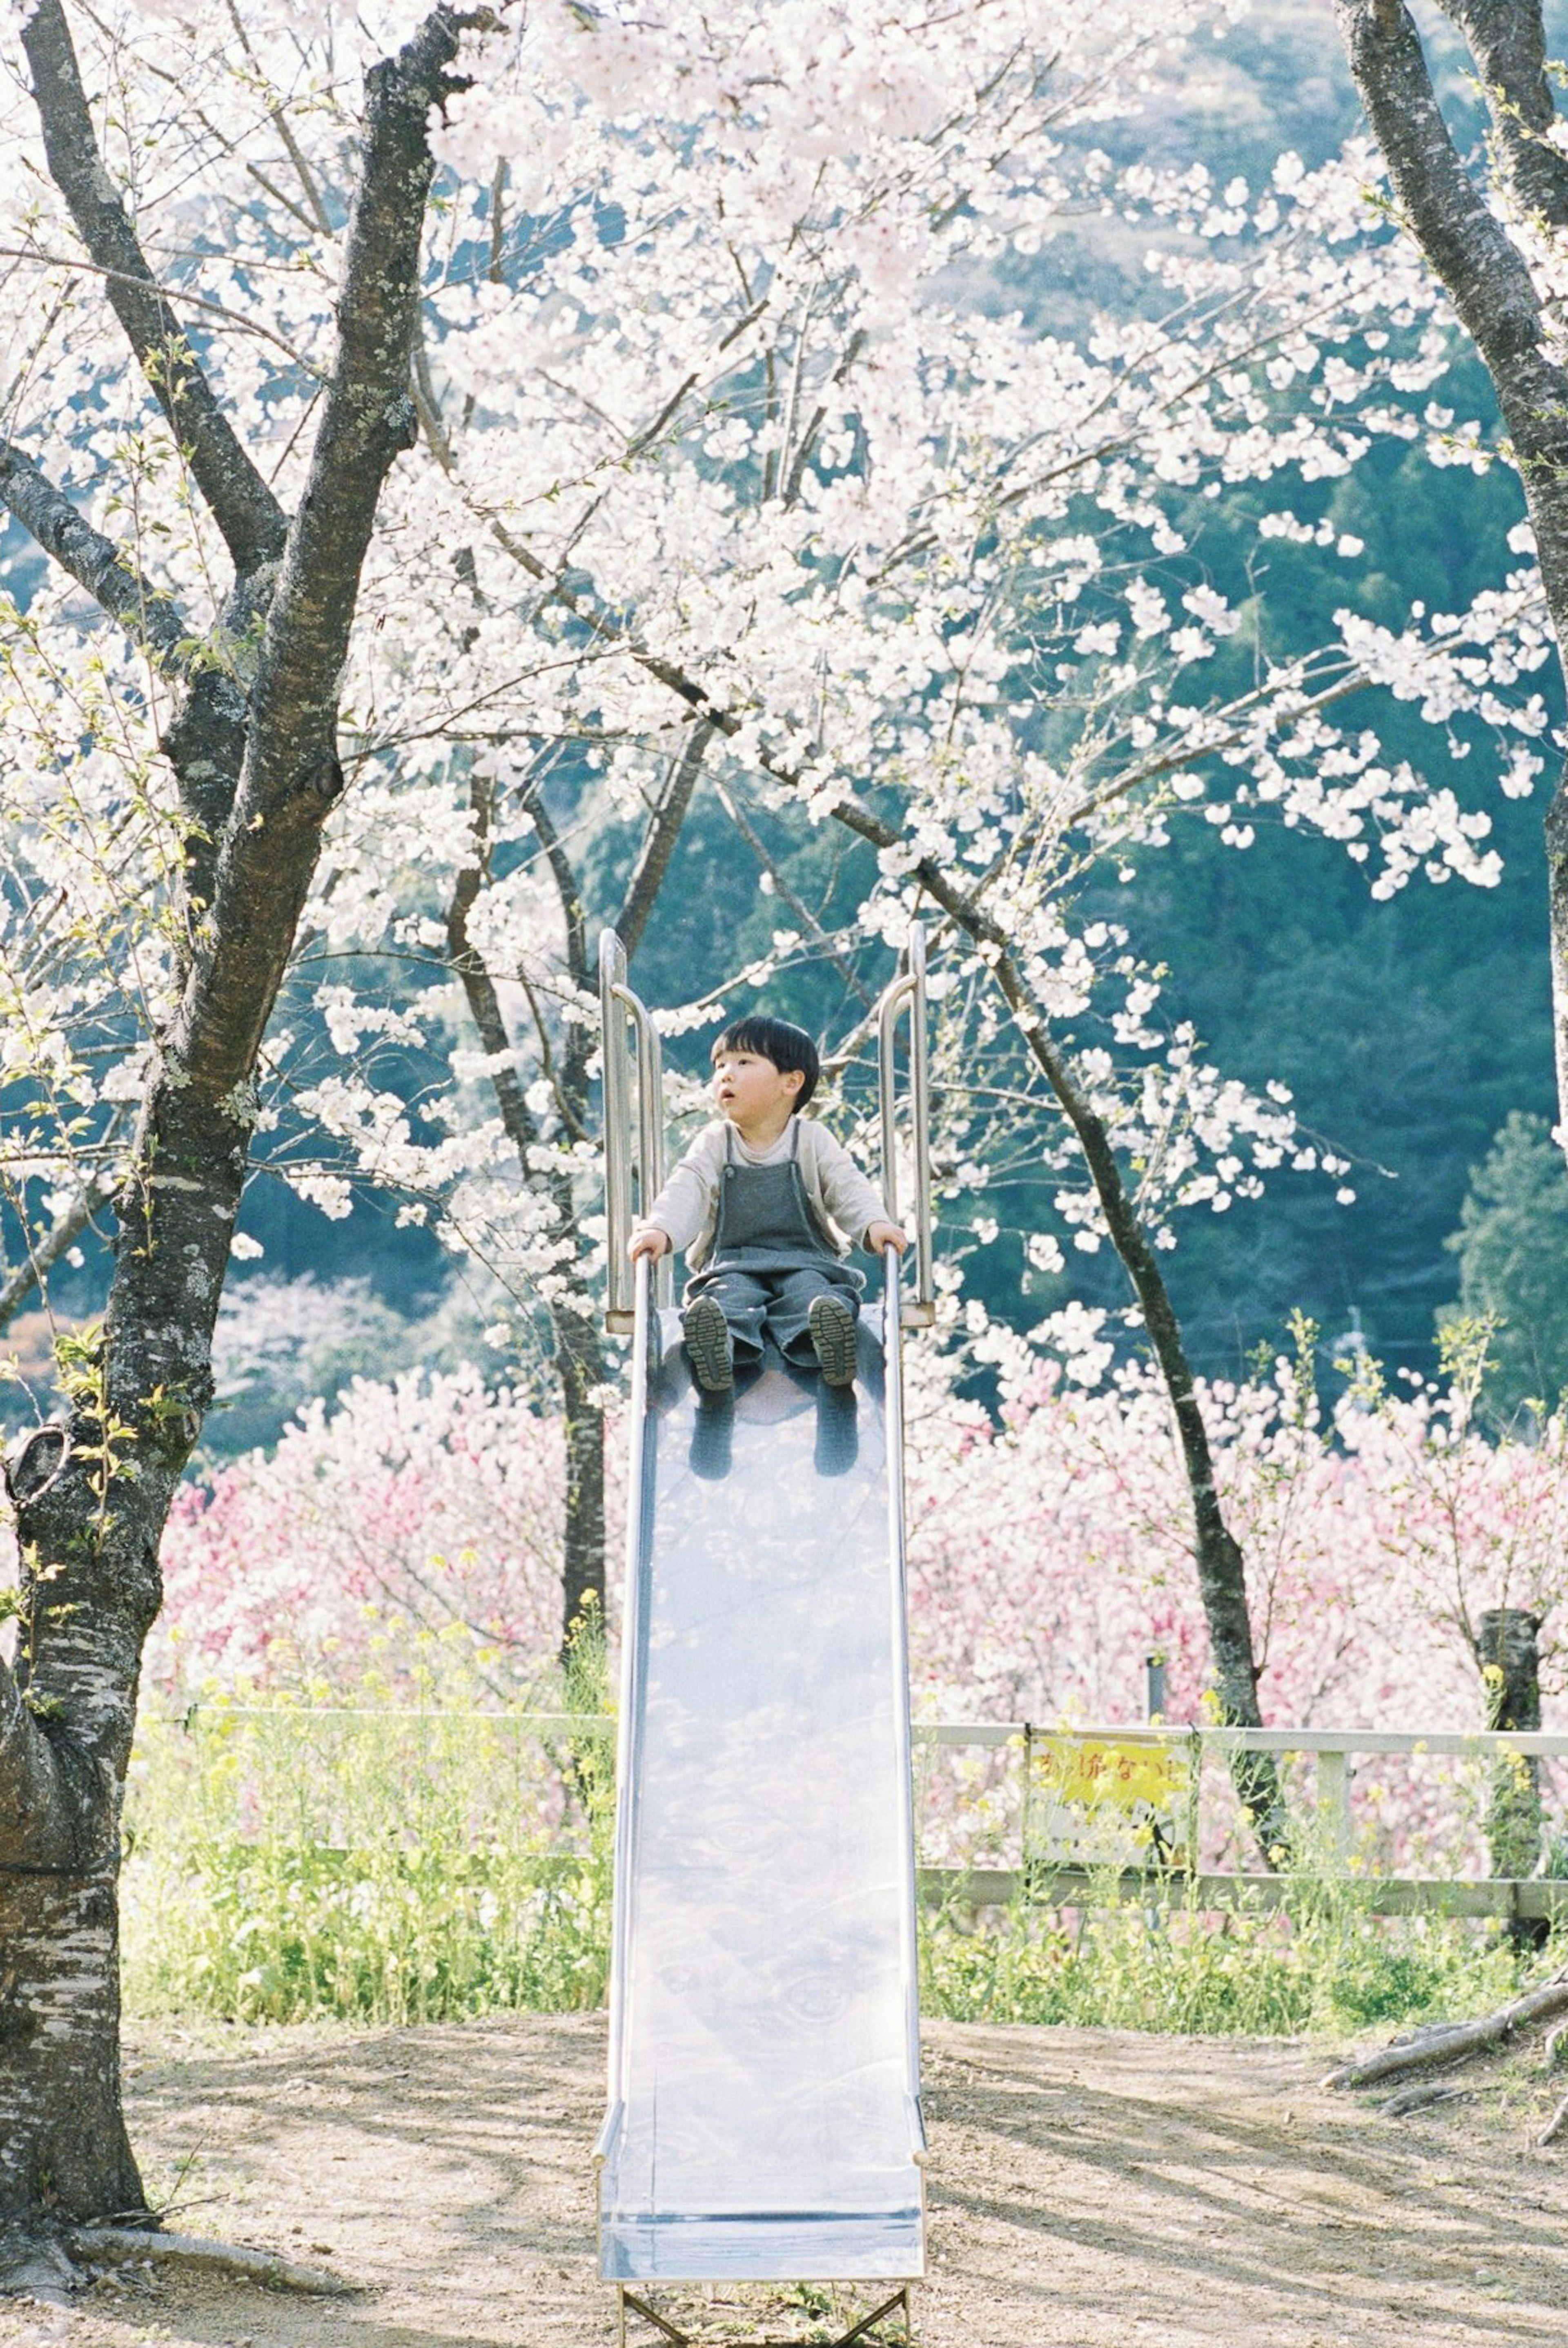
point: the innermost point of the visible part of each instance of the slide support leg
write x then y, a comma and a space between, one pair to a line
859, 2334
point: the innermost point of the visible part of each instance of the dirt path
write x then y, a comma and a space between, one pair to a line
1088, 2188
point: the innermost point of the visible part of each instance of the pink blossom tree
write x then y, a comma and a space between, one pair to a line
1049, 1554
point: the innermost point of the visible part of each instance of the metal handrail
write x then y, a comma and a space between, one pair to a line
617, 1082
893, 1389
629, 1725
620, 1011
909, 989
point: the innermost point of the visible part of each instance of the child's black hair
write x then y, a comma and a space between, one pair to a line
789, 1047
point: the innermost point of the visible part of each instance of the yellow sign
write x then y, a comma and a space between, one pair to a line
1093, 1770
1097, 1801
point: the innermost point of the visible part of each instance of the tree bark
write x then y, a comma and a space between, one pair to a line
579, 1352
579, 1366
1510, 1661
1486, 278
91, 1493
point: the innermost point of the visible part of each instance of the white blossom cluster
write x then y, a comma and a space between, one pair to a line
732, 404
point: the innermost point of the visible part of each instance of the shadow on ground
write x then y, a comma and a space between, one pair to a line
1088, 2190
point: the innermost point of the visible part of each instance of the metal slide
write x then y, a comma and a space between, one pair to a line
764, 2117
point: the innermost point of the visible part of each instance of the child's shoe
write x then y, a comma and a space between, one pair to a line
832, 1326
707, 1336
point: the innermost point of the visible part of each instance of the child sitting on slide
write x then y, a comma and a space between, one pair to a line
758, 1203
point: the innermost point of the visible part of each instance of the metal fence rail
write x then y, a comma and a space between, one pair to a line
1541, 1743
1332, 1750
1534, 1897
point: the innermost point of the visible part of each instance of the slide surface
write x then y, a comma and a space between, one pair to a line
765, 2118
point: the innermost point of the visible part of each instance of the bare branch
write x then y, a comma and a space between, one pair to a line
175, 294
151, 619
1450, 2042
781, 888
795, 474
247, 513
479, 987
279, 117
566, 883
664, 822
42, 1256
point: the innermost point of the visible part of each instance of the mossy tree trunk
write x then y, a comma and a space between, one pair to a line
1508, 1651
254, 755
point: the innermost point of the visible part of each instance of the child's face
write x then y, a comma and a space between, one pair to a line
751, 1092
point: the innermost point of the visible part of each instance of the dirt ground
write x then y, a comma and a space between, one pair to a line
1087, 2187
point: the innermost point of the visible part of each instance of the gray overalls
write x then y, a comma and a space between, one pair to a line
769, 1259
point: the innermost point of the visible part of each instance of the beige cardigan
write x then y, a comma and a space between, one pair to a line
841, 1200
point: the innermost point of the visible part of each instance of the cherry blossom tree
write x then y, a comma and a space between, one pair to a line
739, 457
434, 1502
178, 782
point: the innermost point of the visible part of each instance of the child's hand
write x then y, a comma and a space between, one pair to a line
885, 1235
652, 1244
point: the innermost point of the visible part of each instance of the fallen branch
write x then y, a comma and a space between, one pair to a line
1420, 2099
272, 2271
1556, 2124
1454, 2045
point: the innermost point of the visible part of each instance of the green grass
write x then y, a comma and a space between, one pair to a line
1323, 1964
288, 1861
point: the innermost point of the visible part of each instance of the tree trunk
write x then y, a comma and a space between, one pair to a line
1557, 831
579, 1357
1216, 1554
1509, 1660
579, 1366
91, 1498
64, 2149
92, 1495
